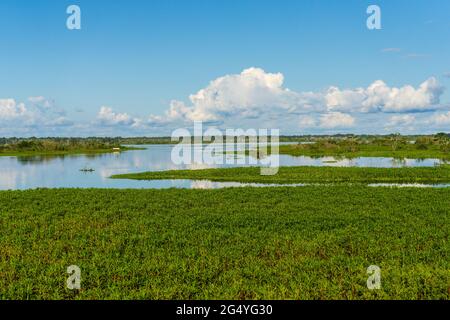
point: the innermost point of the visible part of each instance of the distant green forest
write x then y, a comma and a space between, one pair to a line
167, 140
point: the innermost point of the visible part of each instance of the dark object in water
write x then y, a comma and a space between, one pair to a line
87, 170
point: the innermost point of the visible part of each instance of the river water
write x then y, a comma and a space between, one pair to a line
18, 173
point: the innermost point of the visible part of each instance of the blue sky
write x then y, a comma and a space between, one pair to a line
134, 65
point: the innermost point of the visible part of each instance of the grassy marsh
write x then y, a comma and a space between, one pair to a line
438, 174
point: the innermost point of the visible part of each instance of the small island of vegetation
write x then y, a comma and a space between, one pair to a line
293, 175
395, 146
60, 146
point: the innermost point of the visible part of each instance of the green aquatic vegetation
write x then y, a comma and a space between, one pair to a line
395, 146
60, 146
438, 174
237, 243
63, 153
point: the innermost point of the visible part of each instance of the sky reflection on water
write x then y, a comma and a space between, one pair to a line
64, 171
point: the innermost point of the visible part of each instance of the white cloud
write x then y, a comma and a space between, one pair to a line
333, 120
345, 100
108, 117
391, 50
46, 107
253, 98
442, 119
10, 110
41, 101
255, 93
382, 98
244, 94
38, 117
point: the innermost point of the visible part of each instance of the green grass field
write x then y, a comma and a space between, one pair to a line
439, 174
239, 243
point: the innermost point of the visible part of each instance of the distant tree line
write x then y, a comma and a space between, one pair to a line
350, 141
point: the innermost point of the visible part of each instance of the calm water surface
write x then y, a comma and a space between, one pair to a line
64, 171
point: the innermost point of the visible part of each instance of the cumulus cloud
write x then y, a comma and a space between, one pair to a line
108, 117
39, 113
247, 95
10, 109
254, 97
255, 92
244, 94
334, 120
379, 97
